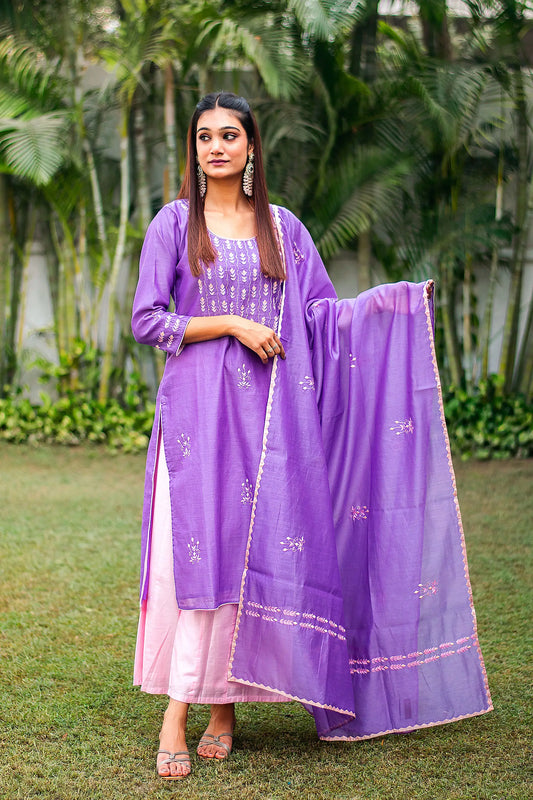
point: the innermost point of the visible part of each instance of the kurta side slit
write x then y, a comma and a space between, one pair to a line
183, 654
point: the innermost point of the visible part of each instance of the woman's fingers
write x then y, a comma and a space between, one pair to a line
281, 349
262, 340
274, 348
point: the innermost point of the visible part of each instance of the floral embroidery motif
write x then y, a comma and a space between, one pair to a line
427, 589
194, 551
307, 383
185, 444
353, 360
364, 666
295, 545
290, 617
171, 322
247, 492
298, 256
359, 512
403, 427
245, 375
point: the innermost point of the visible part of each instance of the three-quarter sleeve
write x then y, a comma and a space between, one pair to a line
151, 322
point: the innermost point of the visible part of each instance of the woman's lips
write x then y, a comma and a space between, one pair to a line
218, 162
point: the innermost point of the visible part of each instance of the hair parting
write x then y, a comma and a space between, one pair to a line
200, 246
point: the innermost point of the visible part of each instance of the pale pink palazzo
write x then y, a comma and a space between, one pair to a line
184, 654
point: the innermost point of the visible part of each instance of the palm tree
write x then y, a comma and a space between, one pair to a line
34, 133
499, 37
451, 116
146, 36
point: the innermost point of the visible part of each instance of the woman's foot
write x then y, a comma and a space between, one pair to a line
172, 759
218, 737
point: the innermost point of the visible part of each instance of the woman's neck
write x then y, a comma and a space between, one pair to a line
225, 197
228, 213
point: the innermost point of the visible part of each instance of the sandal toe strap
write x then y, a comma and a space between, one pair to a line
216, 740
210, 739
172, 757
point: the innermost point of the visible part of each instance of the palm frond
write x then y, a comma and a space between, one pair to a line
34, 147
11, 104
267, 46
436, 237
26, 71
359, 193
323, 19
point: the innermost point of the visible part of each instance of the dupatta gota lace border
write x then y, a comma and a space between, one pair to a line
428, 293
268, 415
407, 729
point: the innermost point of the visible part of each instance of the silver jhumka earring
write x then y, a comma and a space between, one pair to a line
202, 182
248, 176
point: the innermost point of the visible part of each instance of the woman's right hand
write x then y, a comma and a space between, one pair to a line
262, 340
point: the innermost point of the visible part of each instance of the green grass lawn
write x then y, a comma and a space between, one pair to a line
72, 726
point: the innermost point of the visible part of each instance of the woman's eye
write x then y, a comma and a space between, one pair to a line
230, 136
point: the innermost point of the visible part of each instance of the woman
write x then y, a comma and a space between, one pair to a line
301, 533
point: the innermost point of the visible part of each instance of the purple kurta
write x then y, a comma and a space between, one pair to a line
317, 492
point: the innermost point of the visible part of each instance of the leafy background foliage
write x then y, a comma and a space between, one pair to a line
403, 143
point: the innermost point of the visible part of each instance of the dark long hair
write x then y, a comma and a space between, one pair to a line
200, 247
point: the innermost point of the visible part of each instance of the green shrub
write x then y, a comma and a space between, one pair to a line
482, 425
74, 420
123, 422
488, 424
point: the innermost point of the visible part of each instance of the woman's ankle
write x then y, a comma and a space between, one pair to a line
174, 725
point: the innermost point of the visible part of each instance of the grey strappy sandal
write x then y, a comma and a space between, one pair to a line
209, 738
172, 758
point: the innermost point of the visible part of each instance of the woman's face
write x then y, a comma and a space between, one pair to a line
221, 144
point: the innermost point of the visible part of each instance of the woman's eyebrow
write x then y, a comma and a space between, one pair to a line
225, 128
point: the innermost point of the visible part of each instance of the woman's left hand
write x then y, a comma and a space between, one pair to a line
262, 340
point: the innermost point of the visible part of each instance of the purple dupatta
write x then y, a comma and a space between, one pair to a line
355, 596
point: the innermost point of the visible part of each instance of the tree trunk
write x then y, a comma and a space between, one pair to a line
5, 264
435, 31
510, 333
141, 171
18, 218
60, 321
99, 214
71, 291
524, 375
170, 175
83, 292
30, 232
364, 262
451, 344
467, 321
524, 370
118, 258
484, 339
98, 205
363, 43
